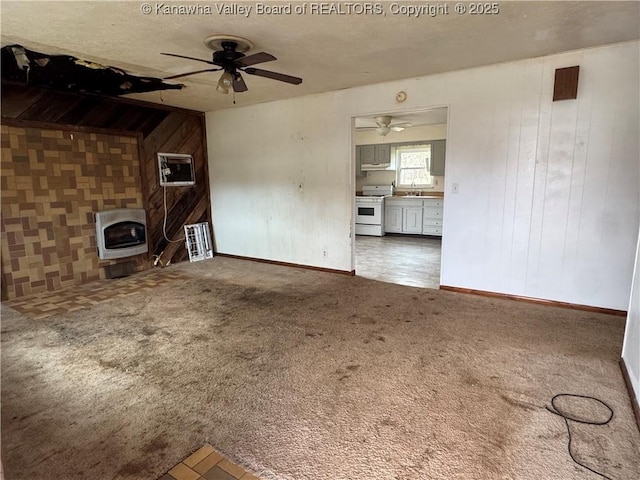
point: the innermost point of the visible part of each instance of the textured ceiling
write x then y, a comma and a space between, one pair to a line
330, 51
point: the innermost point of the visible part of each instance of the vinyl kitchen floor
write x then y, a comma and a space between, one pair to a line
400, 259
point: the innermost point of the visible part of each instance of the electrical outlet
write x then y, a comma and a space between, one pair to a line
324, 253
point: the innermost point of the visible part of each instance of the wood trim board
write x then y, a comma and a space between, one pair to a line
15, 122
632, 395
553, 303
288, 264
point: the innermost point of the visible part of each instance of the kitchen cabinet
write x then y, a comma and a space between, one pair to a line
367, 153
403, 215
376, 157
359, 172
432, 209
414, 215
437, 157
382, 154
412, 220
393, 219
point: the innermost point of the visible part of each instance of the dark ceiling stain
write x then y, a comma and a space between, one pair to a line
70, 74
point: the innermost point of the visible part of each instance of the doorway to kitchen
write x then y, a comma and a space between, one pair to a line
400, 164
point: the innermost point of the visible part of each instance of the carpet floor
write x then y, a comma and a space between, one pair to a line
304, 375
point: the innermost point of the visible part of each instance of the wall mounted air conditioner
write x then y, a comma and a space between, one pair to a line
176, 170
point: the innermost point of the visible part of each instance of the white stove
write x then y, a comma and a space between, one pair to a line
370, 209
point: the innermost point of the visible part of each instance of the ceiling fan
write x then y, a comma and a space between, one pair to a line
229, 56
384, 125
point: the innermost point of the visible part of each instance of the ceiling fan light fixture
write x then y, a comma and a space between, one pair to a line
383, 120
228, 56
225, 83
383, 130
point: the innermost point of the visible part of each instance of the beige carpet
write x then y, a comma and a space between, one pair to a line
299, 375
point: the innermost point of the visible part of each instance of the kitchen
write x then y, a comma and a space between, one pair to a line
400, 163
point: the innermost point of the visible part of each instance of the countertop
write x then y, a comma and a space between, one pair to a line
419, 196
404, 195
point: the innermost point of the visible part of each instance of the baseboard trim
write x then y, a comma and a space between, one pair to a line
288, 264
632, 394
553, 303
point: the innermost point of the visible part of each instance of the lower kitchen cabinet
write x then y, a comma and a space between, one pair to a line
432, 216
414, 215
412, 220
393, 219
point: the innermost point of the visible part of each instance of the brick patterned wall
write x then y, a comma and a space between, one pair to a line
52, 182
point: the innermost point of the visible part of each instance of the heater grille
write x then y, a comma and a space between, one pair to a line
121, 232
198, 241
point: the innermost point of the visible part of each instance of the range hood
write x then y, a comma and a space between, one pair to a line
365, 167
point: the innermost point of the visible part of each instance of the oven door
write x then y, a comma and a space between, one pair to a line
369, 212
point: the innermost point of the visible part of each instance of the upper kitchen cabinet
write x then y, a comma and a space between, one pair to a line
437, 157
359, 172
367, 154
382, 154
375, 157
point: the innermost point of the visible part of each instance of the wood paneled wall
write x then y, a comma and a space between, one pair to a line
159, 128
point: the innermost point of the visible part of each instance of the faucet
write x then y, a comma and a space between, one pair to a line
413, 188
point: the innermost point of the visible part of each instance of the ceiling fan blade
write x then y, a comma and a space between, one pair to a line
192, 73
254, 59
238, 83
274, 75
398, 127
188, 58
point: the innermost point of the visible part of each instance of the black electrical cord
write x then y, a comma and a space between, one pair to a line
556, 411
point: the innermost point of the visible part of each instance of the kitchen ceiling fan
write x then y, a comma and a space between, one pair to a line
385, 125
229, 57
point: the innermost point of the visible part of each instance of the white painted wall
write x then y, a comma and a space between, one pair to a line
631, 346
281, 182
549, 200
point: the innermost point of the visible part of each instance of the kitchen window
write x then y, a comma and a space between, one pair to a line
412, 167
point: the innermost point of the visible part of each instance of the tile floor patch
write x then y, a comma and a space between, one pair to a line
216, 473
46, 304
207, 464
182, 472
231, 468
197, 456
